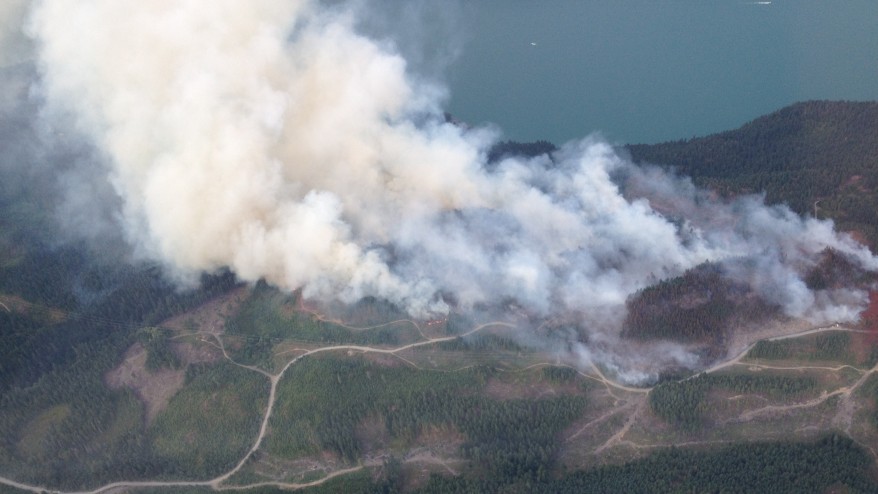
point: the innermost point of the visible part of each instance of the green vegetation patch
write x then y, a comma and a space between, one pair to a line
481, 343
156, 342
869, 389
321, 402
269, 317
516, 437
832, 346
23, 338
560, 374
33, 440
831, 464
758, 467
360, 482
682, 403
68, 429
212, 422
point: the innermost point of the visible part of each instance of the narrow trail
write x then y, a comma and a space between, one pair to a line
598, 377
817, 330
219, 344
26, 487
737, 358
728, 363
750, 395
614, 384
605, 416
430, 458
142, 484
844, 391
616, 438
683, 444
770, 409
339, 322
838, 368
295, 485
274, 379
216, 483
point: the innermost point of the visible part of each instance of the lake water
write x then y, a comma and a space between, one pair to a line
654, 70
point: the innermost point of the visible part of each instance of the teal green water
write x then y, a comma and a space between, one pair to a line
654, 70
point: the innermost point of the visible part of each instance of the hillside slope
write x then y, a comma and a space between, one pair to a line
819, 157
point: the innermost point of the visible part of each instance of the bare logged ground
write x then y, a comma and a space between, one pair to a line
210, 317
195, 353
617, 425
154, 389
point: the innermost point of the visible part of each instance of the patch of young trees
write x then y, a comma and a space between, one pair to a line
504, 437
682, 403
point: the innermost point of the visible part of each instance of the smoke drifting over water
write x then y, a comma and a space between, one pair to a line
270, 137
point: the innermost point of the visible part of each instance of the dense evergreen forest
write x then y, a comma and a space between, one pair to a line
819, 157
762, 467
831, 464
699, 306
73, 316
505, 149
68, 317
514, 437
681, 402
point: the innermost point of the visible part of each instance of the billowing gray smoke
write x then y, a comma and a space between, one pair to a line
270, 137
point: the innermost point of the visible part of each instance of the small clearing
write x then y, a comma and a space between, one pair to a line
154, 389
211, 316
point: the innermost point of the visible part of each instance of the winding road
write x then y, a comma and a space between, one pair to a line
217, 482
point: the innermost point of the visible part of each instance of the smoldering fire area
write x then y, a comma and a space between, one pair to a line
273, 138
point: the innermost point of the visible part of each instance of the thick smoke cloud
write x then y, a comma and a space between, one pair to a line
270, 137
14, 45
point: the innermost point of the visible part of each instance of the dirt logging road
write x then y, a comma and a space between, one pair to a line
218, 483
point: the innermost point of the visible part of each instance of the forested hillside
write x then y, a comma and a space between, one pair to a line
110, 373
819, 157
699, 306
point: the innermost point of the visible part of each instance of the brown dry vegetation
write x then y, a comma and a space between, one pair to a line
154, 389
617, 424
209, 317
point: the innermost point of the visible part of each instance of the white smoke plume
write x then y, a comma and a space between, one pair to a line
269, 137
14, 45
